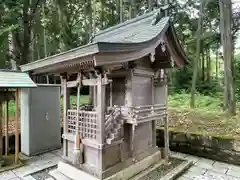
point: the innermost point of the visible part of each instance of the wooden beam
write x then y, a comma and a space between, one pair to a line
17, 128
71, 84
6, 127
87, 82
93, 82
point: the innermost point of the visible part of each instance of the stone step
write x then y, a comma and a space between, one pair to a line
57, 175
74, 173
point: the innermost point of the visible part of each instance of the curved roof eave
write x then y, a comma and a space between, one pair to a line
61, 57
91, 49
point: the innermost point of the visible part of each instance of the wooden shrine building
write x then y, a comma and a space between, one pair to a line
125, 68
11, 82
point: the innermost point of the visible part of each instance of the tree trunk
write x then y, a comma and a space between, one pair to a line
93, 6
26, 33
226, 38
90, 30
203, 62
118, 8
217, 63
102, 14
121, 11
208, 58
196, 60
150, 5
132, 9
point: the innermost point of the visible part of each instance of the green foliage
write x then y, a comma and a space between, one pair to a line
237, 76
202, 102
182, 82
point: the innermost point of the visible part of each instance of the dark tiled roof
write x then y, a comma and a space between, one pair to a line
137, 30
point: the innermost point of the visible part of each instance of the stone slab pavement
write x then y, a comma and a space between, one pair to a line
206, 169
37, 163
203, 169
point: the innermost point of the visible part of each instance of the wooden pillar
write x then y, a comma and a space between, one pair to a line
166, 133
76, 151
95, 97
132, 135
111, 95
154, 134
6, 127
91, 93
100, 110
65, 109
166, 140
90, 102
1, 117
17, 127
100, 118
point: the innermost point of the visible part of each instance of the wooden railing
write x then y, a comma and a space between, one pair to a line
87, 123
140, 114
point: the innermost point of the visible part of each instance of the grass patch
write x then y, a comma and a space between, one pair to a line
202, 102
204, 122
207, 118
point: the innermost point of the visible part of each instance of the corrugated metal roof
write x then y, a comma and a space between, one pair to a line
15, 79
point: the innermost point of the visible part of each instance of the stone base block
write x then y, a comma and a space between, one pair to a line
73, 173
121, 171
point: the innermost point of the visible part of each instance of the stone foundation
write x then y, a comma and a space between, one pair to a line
120, 171
218, 148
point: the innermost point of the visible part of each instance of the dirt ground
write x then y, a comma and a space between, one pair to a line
205, 123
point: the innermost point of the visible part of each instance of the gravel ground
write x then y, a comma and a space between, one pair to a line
161, 171
43, 175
